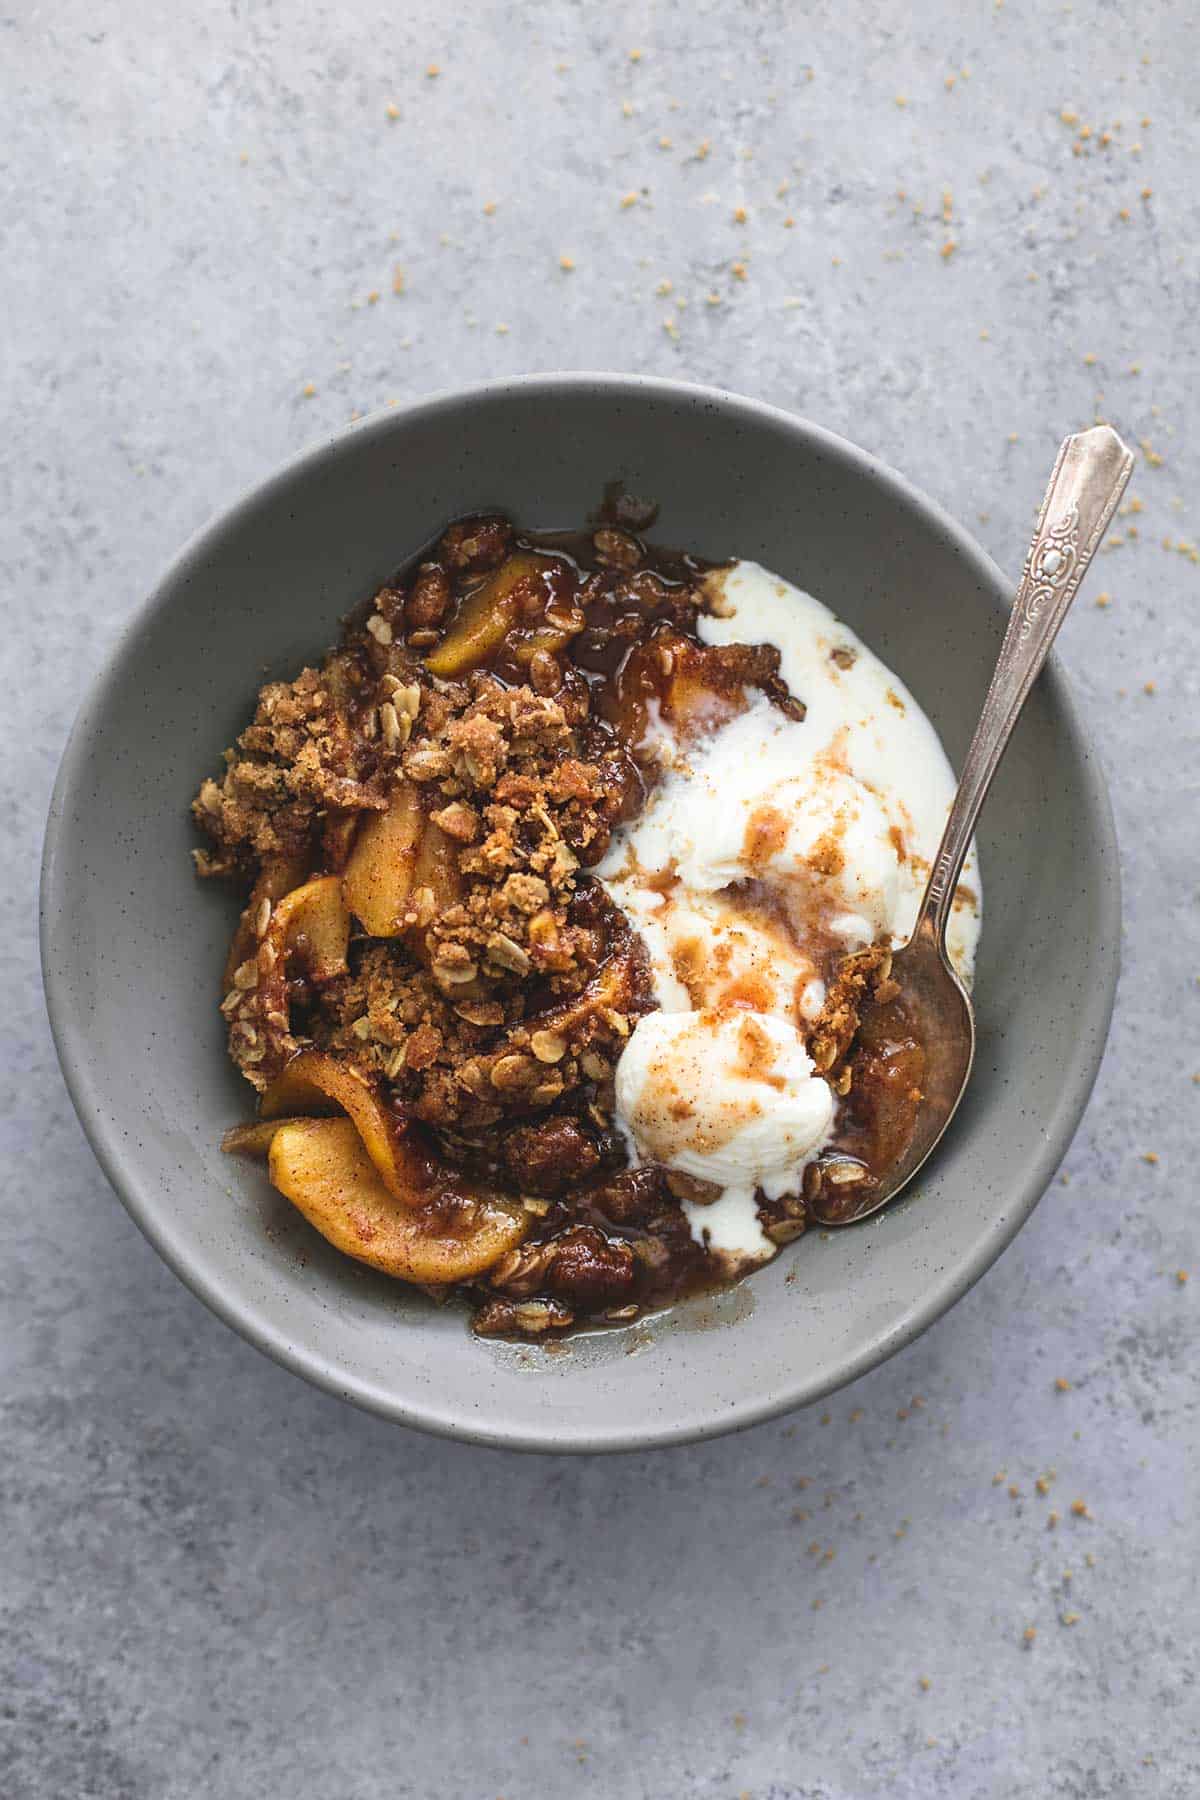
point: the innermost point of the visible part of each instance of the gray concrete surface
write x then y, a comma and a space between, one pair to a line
216, 1582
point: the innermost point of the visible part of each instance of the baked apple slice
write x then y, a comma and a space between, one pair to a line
379, 870
314, 1082
396, 854
486, 616
320, 1165
310, 926
254, 1139
279, 875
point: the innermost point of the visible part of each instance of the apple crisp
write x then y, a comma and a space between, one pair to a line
430, 988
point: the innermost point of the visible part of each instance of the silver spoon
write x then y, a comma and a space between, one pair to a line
1089, 478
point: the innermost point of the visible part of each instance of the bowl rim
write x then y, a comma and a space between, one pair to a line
144, 1206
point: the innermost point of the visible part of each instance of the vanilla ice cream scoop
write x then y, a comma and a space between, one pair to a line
753, 803
728, 1098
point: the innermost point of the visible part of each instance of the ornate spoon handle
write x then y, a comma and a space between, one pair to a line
1089, 478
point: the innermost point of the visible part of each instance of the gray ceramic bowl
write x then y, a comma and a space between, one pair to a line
132, 946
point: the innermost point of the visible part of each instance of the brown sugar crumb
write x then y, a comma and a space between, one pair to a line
1029, 1634
1079, 1509
566, 262
1182, 1277
1062, 1384
1150, 1156
1052, 1519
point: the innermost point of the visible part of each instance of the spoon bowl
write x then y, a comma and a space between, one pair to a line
1089, 477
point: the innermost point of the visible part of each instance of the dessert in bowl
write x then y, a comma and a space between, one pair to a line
571, 878
133, 947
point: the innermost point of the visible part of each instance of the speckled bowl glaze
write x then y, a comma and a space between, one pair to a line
133, 946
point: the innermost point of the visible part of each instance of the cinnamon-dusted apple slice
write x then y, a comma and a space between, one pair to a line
436, 870
337, 837
254, 1139
397, 855
487, 615
311, 926
379, 871
314, 1082
278, 876
449, 1235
